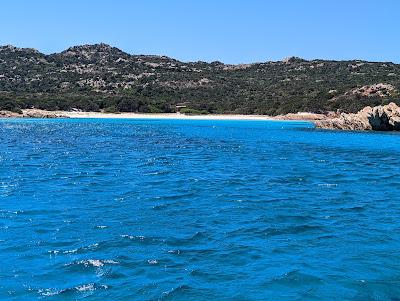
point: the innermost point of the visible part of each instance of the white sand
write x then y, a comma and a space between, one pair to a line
163, 116
37, 113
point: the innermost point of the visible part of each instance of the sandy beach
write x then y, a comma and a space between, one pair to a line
36, 113
164, 116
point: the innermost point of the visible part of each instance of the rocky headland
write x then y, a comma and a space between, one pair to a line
379, 118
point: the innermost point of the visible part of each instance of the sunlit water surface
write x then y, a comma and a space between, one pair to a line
197, 210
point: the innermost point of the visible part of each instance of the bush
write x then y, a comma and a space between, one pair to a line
110, 109
189, 111
127, 105
8, 105
17, 110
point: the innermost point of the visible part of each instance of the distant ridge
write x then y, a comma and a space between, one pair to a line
99, 76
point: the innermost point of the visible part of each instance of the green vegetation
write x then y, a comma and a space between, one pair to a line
188, 111
100, 77
10, 105
110, 109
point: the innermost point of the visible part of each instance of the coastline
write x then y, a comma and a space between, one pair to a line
36, 113
127, 115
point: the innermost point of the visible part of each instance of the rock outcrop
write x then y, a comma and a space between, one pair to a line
378, 90
9, 114
36, 113
303, 116
379, 118
32, 113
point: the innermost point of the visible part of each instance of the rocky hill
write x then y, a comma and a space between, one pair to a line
95, 77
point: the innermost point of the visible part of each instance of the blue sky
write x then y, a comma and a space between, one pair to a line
231, 31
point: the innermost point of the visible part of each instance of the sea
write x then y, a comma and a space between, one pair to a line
119, 209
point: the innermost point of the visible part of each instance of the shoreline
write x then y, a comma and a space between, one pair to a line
36, 113
127, 115
379, 118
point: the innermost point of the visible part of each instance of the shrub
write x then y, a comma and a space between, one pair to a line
110, 109
189, 111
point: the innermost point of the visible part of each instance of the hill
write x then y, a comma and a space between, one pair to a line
101, 77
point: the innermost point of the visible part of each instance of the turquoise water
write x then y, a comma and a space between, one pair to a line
197, 210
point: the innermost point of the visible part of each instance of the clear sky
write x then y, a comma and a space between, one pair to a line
230, 31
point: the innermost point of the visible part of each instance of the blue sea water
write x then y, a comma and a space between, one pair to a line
197, 210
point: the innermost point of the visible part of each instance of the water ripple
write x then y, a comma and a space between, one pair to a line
197, 210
